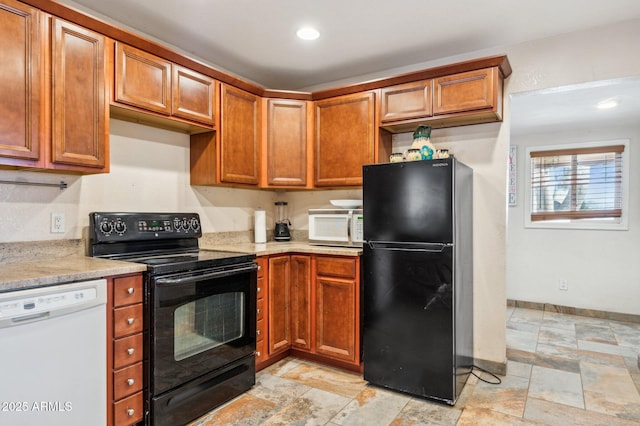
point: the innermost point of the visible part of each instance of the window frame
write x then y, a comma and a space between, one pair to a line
615, 223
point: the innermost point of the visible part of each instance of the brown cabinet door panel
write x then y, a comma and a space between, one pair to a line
127, 320
240, 116
286, 143
406, 101
128, 411
127, 290
142, 79
336, 318
301, 302
127, 351
344, 267
193, 95
21, 81
79, 101
344, 139
127, 381
466, 91
279, 300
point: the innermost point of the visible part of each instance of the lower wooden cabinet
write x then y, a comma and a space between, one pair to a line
313, 309
125, 358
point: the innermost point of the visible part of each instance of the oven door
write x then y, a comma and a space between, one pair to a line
200, 321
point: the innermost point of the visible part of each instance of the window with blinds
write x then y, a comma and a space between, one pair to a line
576, 183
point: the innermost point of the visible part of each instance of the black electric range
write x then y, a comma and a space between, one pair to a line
200, 311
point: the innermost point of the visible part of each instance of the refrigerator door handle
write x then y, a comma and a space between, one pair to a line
399, 246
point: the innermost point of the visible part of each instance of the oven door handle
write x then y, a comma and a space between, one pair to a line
206, 275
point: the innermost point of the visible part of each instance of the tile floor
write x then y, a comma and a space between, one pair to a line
562, 370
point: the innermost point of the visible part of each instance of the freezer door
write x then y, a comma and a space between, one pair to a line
409, 202
409, 320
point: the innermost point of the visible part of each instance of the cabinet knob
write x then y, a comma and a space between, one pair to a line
130, 321
258, 311
130, 382
131, 412
258, 354
131, 351
259, 289
131, 290
258, 332
259, 268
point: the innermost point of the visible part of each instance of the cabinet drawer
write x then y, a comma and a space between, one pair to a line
127, 320
262, 265
127, 381
261, 351
260, 329
127, 291
260, 309
336, 266
128, 411
260, 289
127, 351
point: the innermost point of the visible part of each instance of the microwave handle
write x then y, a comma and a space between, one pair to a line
206, 276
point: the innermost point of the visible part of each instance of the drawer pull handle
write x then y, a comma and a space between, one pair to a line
131, 290
259, 289
131, 412
130, 382
258, 354
258, 332
258, 311
130, 321
259, 268
131, 351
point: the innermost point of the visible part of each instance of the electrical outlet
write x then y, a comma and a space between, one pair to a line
563, 285
57, 223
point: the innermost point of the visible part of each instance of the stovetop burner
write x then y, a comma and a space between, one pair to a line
165, 242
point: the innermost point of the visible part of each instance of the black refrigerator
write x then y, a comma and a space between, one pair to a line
418, 277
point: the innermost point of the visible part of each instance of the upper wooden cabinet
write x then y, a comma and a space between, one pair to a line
21, 83
467, 91
79, 119
406, 101
147, 81
286, 139
142, 80
53, 114
239, 136
344, 139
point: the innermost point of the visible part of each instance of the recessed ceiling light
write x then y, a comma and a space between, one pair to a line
308, 33
607, 103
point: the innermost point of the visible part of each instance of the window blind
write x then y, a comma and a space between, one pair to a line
581, 183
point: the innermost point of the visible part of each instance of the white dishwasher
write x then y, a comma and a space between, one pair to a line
53, 355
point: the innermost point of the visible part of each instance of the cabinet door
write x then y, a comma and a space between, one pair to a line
193, 95
344, 139
406, 101
336, 318
301, 302
79, 101
21, 80
142, 79
286, 143
466, 91
279, 302
239, 136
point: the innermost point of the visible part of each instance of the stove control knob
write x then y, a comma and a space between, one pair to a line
195, 224
120, 227
106, 227
184, 224
177, 224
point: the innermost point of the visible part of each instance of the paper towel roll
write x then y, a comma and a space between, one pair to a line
260, 227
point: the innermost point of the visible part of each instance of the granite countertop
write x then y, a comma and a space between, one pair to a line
44, 272
274, 247
57, 270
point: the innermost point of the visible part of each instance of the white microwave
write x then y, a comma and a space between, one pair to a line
336, 227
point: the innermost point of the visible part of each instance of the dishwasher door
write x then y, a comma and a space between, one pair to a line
53, 355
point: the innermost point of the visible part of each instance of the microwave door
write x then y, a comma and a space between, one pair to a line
329, 228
